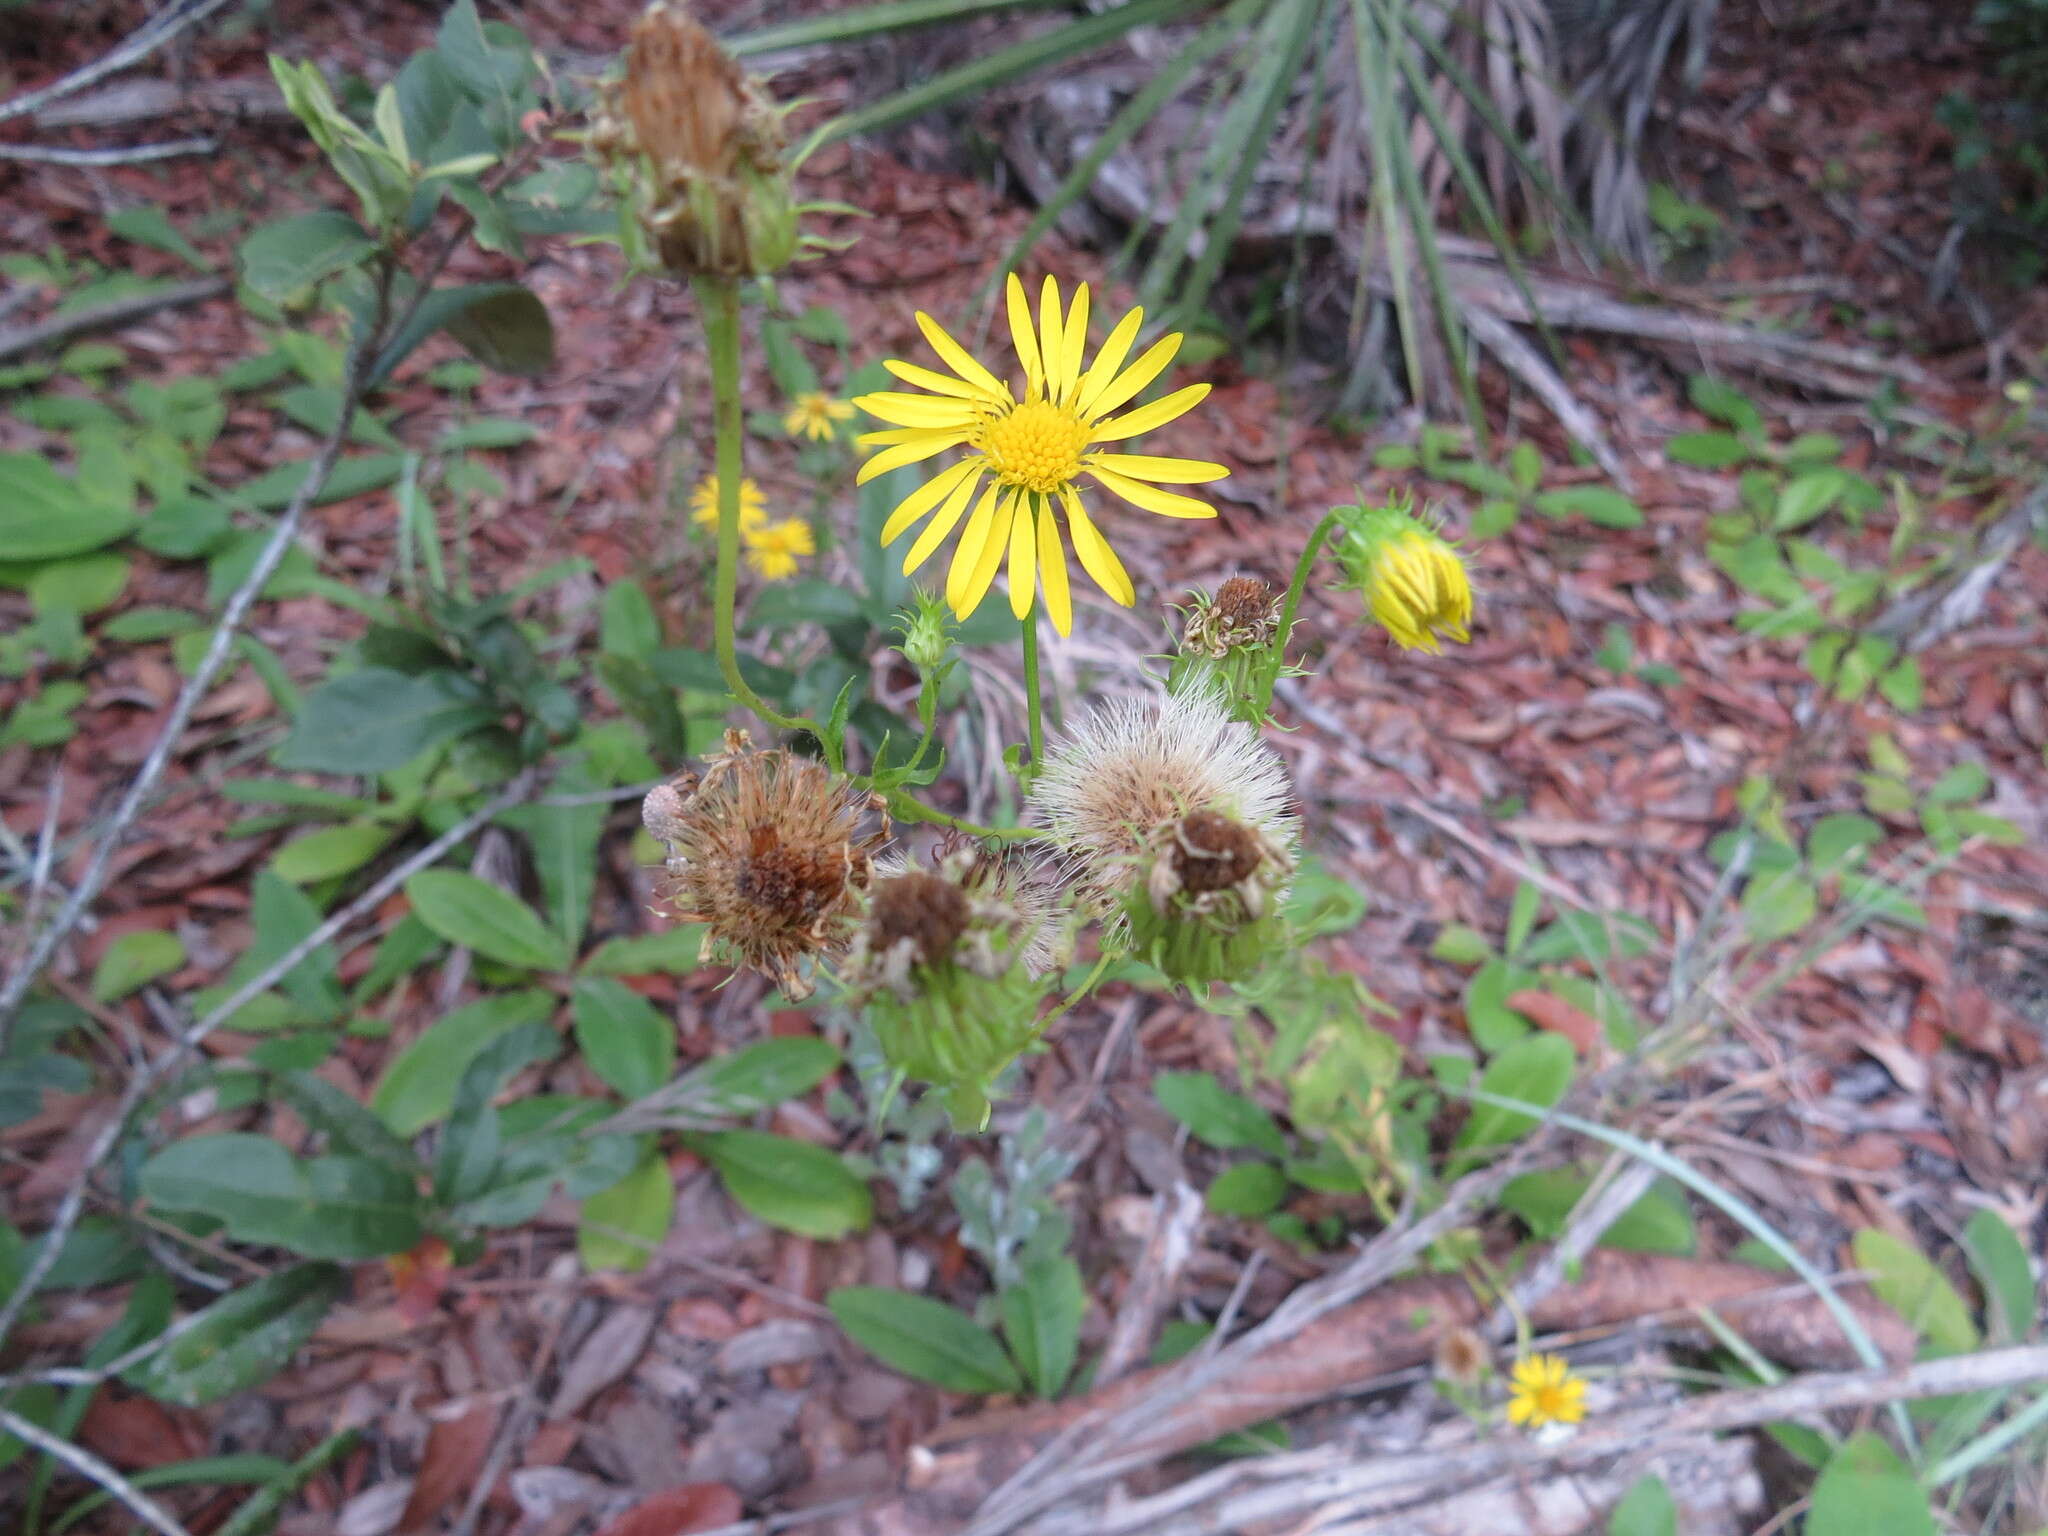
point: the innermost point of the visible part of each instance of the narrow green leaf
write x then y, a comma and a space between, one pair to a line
2000, 1262
133, 961
924, 1339
242, 1339
1042, 1320
486, 918
1247, 1189
790, 1184
418, 1087
626, 1042
1223, 1119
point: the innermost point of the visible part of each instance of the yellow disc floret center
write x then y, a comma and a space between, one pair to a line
1037, 446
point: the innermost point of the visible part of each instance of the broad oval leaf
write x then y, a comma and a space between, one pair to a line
790, 1184
486, 918
1042, 1320
924, 1339
1535, 1071
623, 1225
340, 1207
331, 851
287, 256
418, 1087
1249, 1189
374, 720
242, 1339
1865, 1490
1907, 1281
625, 1041
1223, 1119
43, 516
134, 960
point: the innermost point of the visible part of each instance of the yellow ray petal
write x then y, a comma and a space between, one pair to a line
936, 530
967, 553
1074, 344
1052, 568
1097, 558
1125, 386
1051, 332
925, 497
957, 357
989, 557
1146, 417
1023, 557
900, 435
1108, 360
1150, 497
1022, 336
1163, 471
942, 383
904, 453
917, 410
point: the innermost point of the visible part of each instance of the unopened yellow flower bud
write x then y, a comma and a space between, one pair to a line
1412, 578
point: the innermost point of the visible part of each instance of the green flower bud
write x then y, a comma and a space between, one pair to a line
1227, 646
927, 632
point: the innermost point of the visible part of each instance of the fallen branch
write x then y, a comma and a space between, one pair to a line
1394, 1327
1386, 1483
1176, 1218
107, 317
133, 49
133, 154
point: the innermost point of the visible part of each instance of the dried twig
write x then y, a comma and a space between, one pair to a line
61, 328
89, 1466
515, 793
1176, 1217
133, 49
1295, 1488
1952, 599
132, 154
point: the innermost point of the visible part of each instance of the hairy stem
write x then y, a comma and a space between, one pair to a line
1302, 567
1034, 726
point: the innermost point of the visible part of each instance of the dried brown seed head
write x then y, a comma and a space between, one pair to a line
1245, 603
1213, 853
1462, 1357
924, 910
684, 95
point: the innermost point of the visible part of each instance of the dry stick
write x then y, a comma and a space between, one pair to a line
136, 47
1176, 1217
27, 338
1590, 1218
196, 688
133, 154
148, 1076
89, 1466
1800, 1398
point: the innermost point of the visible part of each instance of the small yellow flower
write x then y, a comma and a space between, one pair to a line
1412, 579
813, 417
704, 504
1546, 1392
772, 548
1032, 449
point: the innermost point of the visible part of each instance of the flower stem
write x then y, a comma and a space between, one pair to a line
718, 303
1295, 588
1034, 726
904, 807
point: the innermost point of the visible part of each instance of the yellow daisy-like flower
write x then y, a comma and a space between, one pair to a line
813, 416
773, 548
704, 504
1031, 450
1412, 578
1546, 1392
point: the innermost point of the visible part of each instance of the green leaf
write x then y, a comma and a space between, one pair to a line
187, 528
285, 257
242, 1339
1042, 1320
139, 626
336, 1207
626, 1042
133, 961
501, 325
348, 1124
1657, 1223
1223, 1119
1902, 686
351, 477
757, 1077
375, 720
1320, 902
1907, 1281
83, 584
1536, 1070
640, 1206
1838, 840
240, 1467
627, 623
790, 1184
1597, 504
331, 851
43, 516
1522, 911
1645, 1510
2000, 1262
1493, 519
1724, 403
1866, 1490
1247, 1189
924, 1339
1706, 450
418, 1087
673, 951
564, 842
1807, 496
1491, 1023
486, 918
1967, 781
147, 224
1460, 945
1778, 906
1589, 936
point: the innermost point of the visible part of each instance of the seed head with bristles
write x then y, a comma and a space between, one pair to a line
770, 852
1133, 770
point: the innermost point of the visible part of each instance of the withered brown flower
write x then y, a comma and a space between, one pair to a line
770, 852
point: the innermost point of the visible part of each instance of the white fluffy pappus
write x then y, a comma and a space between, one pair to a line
1137, 765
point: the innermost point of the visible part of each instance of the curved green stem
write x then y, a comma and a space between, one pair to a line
1302, 567
1034, 726
904, 808
718, 303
